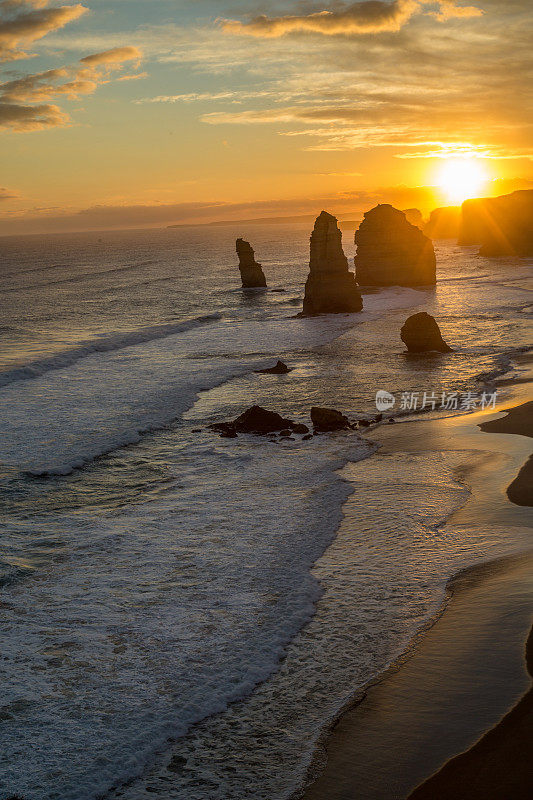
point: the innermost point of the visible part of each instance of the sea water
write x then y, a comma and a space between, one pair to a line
181, 613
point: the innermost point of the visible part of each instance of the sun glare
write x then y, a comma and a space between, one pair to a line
461, 178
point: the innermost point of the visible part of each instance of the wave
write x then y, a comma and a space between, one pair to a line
117, 341
75, 278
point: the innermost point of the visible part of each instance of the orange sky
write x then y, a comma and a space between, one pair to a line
122, 113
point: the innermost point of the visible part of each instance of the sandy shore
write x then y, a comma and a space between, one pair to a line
469, 669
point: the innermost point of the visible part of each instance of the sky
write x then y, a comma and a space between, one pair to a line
135, 113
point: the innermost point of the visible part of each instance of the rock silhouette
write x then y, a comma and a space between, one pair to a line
328, 419
421, 334
444, 223
503, 226
330, 287
256, 420
391, 251
414, 216
279, 369
252, 275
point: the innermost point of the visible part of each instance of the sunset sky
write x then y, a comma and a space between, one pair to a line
129, 113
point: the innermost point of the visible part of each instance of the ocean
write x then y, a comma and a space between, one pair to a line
183, 614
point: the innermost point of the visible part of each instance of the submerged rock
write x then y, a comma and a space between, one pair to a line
503, 226
391, 251
279, 369
421, 334
330, 287
328, 419
252, 274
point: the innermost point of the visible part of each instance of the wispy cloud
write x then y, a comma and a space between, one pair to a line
69, 82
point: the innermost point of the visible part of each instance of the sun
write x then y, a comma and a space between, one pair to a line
461, 178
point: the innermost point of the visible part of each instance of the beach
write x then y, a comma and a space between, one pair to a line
449, 692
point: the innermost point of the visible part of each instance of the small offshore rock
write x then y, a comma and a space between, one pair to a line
196, 430
279, 369
285, 433
300, 428
328, 419
255, 420
364, 423
391, 420
421, 334
228, 435
307, 437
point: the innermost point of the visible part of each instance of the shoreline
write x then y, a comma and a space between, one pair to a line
352, 761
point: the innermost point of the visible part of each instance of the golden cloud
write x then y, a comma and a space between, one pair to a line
117, 55
23, 22
31, 118
70, 82
372, 16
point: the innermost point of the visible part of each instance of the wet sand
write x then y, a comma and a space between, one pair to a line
469, 669
518, 420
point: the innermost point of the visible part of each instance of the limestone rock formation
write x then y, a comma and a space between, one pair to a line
444, 223
503, 226
391, 251
421, 334
330, 287
252, 274
414, 216
328, 419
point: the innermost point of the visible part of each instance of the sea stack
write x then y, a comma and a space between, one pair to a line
330, 287
503, 226
252, 274
421, 334
391, 251
444, 223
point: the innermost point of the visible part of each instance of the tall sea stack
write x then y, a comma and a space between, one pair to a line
392, 252
252, 274
330, 287
503, 226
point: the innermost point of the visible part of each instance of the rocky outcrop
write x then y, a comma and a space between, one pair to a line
503, 226
252, 274
328, 419
444, 223
391, 251
279, 369
330, 287
255, 420
421, 334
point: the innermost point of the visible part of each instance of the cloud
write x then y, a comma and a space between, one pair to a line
372, 16
102, 217
23, 22
31, 118
71, 82
5, 194
117, 55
